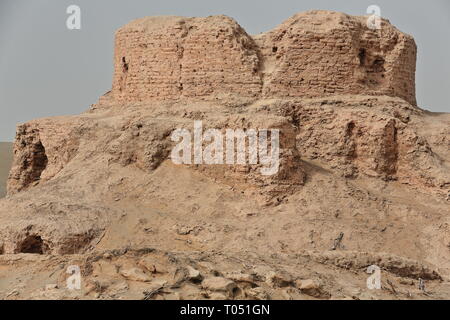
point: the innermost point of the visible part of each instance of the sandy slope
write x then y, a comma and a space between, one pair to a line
129, 200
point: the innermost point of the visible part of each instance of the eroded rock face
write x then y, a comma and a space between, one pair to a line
41, 150
175, 57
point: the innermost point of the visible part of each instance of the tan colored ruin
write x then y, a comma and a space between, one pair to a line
311, 54
358, 157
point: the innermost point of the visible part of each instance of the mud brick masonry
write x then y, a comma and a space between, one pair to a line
311, 54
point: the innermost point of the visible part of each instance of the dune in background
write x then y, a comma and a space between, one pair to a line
6, 153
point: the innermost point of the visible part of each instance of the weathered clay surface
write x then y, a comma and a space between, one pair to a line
319, 54
358, 159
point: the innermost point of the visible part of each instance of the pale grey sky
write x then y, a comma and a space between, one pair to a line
47, 70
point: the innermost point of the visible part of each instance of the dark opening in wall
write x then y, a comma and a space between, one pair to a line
124, 65
124, 75
349, 130
378, 65
362, 57
32, 244
39, 162
372, 68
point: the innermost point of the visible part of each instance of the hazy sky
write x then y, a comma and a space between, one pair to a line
46, 69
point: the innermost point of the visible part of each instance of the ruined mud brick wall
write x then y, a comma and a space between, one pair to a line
316, 53
172, 57
324, 53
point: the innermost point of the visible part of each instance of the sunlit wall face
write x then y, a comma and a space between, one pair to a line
47, 69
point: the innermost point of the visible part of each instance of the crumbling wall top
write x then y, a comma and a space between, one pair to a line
316, 53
